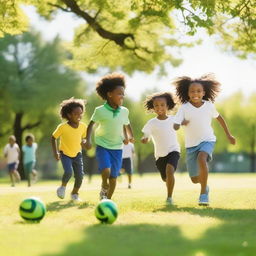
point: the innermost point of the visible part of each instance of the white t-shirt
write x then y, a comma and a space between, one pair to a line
199, 128
163, 136
12, 153
128, 150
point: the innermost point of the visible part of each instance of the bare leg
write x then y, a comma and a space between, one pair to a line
203, 170
12, 179
170, 180
16, 175
105, 176
129, 178
112, 186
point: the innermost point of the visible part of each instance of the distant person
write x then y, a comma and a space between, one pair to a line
166, 146
12, 154
71, 135
29, 158
113, 130
127, 161
195, 114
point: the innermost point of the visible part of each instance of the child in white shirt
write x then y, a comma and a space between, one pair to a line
166, 146
196, 112
12, 154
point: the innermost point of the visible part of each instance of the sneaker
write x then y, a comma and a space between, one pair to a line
129, 186
75, 198
169, 201
204, 198
103, 194
61, 192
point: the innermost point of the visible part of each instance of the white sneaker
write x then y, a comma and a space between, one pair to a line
75, 198
103, 194
61, 192
169, 201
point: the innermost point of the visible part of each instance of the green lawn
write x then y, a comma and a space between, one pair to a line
145, 226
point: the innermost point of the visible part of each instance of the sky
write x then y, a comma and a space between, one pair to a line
233, 73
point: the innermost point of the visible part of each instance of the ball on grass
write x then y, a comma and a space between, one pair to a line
32, 209
106, 211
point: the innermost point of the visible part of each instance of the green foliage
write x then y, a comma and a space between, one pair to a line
12, 18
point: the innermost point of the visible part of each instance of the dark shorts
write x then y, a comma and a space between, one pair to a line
109, 158
172, 158
127, 165
28, 167
12, 166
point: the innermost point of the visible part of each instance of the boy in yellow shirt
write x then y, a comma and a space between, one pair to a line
71, 134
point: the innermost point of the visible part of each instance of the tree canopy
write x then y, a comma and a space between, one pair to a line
142, 34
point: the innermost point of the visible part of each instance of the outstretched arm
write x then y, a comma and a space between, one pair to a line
55, 149
128, 134
222, 122
88, 143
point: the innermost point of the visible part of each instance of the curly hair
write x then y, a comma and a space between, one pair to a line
29, 136
109, 83
67, 106
148, 103
210, 85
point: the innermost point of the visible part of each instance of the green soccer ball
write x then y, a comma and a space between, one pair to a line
106, 211
32, 209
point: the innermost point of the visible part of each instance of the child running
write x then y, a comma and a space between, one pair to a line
12, 154
127, 162
166, 146
196, 113
29, 158
113, 130
71, 134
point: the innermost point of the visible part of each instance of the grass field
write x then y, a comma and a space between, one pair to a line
145, 225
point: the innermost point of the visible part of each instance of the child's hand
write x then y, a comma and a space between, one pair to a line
185, 122
132, 140
87, 145
232, 139
57, 156
144, 140
126, 141
83, 142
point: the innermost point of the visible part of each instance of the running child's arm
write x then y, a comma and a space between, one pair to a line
129, 133
126, 138
145, 139
222, 122
88, 143
55, 149
177, 126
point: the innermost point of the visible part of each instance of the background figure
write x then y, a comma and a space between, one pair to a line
12, 154
29, 158
127, 161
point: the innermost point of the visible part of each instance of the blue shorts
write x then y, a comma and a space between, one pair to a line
192, 153
13, 166
109, 158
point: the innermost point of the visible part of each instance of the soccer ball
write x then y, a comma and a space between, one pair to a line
32, 209
106, 211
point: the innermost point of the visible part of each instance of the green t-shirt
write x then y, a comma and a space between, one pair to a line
109, 133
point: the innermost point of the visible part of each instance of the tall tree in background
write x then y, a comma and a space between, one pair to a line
32, 81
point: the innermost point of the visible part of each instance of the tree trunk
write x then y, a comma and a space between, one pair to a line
18, 134
252, 154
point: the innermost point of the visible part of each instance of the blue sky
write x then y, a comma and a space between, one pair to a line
233, 73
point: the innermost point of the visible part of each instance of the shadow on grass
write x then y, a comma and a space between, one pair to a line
61, 205
234, 235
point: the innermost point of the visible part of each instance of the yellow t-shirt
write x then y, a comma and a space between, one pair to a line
70, 138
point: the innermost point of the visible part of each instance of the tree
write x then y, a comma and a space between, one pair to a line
142, 34
32, 81
241, 121
12, 19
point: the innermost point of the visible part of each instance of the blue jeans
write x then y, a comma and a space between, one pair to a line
71, 164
